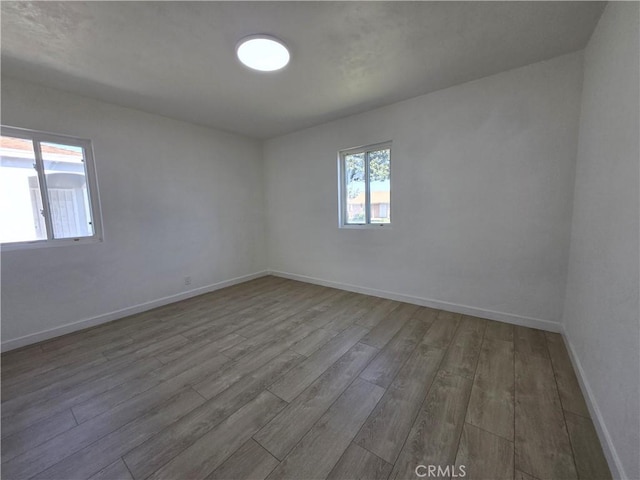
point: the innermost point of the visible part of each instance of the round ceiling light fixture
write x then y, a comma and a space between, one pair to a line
263, 52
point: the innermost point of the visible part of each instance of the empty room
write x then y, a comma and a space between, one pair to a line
320, 240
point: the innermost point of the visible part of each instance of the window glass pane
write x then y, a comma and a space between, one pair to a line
64, 168
380, 186
355, 188
21, 214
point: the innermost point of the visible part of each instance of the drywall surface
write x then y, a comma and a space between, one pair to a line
601, 317
481, 189
177, 200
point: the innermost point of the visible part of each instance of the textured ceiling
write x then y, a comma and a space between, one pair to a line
178, 58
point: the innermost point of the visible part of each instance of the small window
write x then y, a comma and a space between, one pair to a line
365, 186
48, 191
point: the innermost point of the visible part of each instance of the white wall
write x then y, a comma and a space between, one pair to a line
601, 313
177, 200
482, 182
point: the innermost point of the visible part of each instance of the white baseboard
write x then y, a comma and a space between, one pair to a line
125, 312
615, 465
538, 323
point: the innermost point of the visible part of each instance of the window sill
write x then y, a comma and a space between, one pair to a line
63, 242
374, 226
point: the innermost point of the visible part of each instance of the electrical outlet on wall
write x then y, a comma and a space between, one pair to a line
187, 280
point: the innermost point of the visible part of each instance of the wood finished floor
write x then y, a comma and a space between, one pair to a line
279, 379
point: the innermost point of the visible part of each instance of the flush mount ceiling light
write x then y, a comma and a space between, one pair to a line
262, 52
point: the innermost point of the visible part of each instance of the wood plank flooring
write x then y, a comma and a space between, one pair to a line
277, 379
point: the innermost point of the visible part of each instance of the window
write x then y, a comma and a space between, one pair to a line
365, 186
48, 192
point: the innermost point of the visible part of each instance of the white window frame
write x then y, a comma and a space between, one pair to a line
92, 188
342, 186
